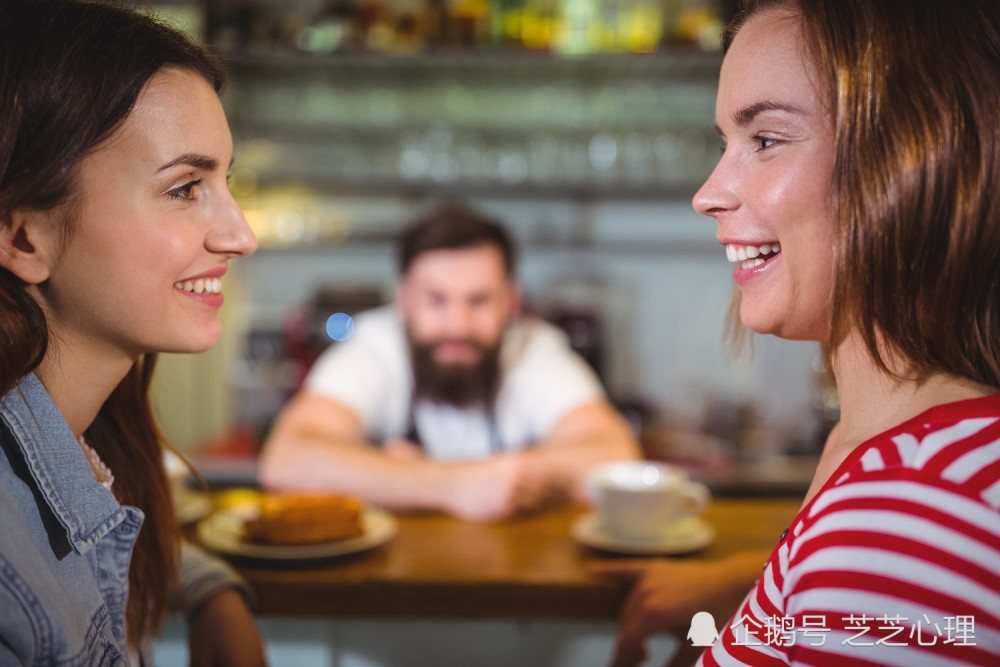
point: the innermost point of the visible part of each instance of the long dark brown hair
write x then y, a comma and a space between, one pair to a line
70, 73
913, 89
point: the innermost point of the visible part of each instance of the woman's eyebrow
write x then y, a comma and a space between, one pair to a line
745, 116
202, 162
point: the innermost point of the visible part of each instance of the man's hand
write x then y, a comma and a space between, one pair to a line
222, 633
502, 486
403, 450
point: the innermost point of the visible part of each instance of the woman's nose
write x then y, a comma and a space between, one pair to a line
715, 195
231, 233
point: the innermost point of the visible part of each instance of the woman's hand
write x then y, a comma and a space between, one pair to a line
222, 633
667, 593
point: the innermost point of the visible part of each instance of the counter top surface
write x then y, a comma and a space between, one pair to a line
440, 567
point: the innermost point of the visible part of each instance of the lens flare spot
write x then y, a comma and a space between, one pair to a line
340, 326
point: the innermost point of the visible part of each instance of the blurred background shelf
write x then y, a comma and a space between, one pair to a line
475, 124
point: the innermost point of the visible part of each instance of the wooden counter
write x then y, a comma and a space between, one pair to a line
530, 568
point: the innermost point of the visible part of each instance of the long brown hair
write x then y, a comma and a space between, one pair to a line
70, 73
914, 92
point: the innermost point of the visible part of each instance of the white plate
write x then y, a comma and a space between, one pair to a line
683, 537
221, 532
191, 506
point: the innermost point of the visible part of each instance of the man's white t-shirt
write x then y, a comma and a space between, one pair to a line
541, 380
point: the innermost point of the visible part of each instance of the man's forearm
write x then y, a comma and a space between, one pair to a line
567, 464
588, 438
304, 463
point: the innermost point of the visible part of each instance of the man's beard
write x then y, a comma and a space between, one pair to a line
458, 384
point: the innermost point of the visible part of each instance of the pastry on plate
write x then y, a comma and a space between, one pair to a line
303, 518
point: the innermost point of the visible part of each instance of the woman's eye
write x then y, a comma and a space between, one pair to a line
763, 143
185, 191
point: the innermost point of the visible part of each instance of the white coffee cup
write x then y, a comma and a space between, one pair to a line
641, 500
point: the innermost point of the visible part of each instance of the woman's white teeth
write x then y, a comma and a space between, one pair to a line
201, 285
751, 255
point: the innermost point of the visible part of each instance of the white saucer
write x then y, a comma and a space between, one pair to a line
682, 537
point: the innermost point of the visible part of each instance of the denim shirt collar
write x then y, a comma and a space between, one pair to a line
58, 466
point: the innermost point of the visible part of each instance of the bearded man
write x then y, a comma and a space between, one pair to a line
449, 399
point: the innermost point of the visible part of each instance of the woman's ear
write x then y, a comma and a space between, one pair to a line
23, 245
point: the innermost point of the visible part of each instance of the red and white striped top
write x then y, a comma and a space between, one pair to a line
896, 561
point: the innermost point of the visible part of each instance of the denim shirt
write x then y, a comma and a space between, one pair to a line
65, 542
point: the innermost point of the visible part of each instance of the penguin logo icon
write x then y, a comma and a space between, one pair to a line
702, 632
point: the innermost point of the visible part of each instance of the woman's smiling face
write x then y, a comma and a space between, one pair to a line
153, 227
770, 192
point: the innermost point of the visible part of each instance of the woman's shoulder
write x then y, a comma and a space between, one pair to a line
907, 529
953, 447
53, 611
926, 491
928, 486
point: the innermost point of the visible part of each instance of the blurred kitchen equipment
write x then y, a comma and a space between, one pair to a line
574, 305
324, 319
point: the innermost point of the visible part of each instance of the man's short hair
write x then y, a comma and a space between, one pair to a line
453, 227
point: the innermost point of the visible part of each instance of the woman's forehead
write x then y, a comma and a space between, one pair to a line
769, 63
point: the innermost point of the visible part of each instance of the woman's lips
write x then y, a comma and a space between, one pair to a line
751, 259
204, 290
748, 254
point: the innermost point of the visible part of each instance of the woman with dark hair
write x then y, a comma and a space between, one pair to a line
857, 195
116, 226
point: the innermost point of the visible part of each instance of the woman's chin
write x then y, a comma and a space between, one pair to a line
770, 323
203, 342
757, 322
